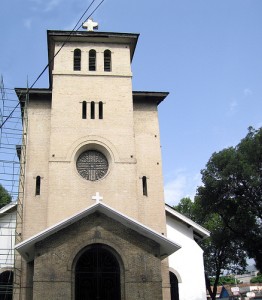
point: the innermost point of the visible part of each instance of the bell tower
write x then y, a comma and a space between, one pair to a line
93, 171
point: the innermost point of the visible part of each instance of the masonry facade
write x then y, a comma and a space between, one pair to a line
94, 222
55, 267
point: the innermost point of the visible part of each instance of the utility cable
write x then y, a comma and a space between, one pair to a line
68, 38
91, 13
51, 60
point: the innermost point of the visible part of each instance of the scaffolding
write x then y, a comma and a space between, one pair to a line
13, 124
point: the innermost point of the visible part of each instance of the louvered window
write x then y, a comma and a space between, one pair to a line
107, 61
37, 185
92, 60
144, 185
100, 109
77, 60
92, 111
84, 110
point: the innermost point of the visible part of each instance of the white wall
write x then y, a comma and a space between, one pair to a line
7, 238
187, 262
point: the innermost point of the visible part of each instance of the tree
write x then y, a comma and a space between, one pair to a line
223, 280
221, 251
232, 189
257, 279
186, 207
5, 198
229, 205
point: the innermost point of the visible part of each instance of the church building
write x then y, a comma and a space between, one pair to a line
94, 220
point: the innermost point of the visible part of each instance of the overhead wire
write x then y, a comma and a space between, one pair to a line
63, 44
52, 59
92, 13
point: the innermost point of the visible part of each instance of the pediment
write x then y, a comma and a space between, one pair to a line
167, 247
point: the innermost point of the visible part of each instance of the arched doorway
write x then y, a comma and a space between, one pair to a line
97, 275
173, 286
6, 285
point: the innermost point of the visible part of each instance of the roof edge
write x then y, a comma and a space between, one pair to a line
58, 32
200, 230
22, 92
158, 97
167, 246
8, 207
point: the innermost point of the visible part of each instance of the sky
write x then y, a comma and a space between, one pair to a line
206, 53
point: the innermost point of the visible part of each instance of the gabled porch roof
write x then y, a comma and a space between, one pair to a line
167, 247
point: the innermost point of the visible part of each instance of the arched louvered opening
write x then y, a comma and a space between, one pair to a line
92, 60
107, 61
77, 60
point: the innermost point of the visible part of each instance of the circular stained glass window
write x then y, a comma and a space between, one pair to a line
92, 165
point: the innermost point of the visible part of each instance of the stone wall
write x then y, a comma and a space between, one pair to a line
56, 256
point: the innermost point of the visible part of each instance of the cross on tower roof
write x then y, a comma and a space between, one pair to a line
97, 197
90, 25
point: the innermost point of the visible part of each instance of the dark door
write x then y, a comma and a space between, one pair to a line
97, 275
173, 286
6, 285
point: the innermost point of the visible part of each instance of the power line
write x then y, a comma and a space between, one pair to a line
67, 39
92, 13
51, 60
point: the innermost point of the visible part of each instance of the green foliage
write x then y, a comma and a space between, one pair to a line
223, 280
257, 279
229, 205
186, 207
232, 189
5, 198
221, 251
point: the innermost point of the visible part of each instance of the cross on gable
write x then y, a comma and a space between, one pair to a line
90, 25
97, 197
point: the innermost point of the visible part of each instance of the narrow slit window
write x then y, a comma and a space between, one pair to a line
107, 61
92, 111
144, 185
92, 60
100, 108
37, 185
84, 110
77, 60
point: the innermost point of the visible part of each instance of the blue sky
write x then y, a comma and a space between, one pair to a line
207, 54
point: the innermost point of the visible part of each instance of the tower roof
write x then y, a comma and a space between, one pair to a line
90, 37
156, 97
46, 93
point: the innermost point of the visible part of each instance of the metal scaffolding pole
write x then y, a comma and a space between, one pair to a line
13, 133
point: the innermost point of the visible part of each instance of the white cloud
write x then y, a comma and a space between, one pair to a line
36, 4
45, 6
50, 5
28, 23
182, 185
174, 190
232, 106
37, 1
247, 92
